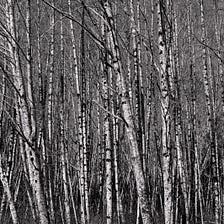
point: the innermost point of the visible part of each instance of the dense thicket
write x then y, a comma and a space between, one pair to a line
111, 111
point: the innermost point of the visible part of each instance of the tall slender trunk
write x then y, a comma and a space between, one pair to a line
181, 165
49, 117
165, 115
107, 141
83, 149
76, 77
26, 110
211, 117
218, 25
128, 118
62, 131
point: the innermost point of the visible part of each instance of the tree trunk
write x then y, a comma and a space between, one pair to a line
165, 115
128, 119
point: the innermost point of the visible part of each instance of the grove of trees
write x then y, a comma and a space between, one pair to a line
111, 111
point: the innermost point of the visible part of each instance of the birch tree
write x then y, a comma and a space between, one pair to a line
165, 115
135, 157
25, 111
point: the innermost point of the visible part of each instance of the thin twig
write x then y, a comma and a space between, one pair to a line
101, 107
212, 49
68, 16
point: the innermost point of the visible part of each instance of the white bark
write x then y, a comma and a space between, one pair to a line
165, 115
80, 133
62, 131
107, 140
211, 115
6, 187
120, 215
50, 81
128, 117
26, 112
108, 167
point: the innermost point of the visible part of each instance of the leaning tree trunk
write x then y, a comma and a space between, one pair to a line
128, 117
6, 187
26, 110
